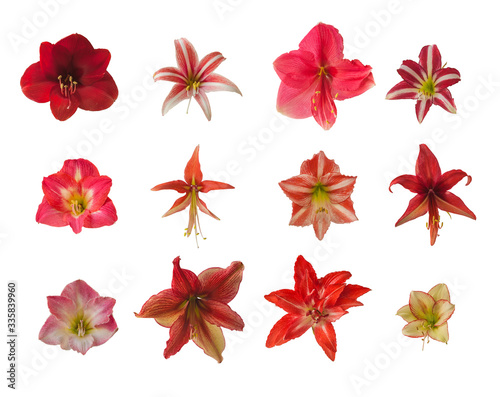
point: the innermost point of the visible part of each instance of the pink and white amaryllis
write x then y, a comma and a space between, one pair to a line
316, 74
432, 189
191, 186
427, 82
193, 78
80, 318
320, 195
77, 196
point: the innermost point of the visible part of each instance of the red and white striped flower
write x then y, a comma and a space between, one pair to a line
427, 82
193, 78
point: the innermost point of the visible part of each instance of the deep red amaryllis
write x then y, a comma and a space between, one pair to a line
71, 74
320, 195
191, 186
193, 78
432, 190
427, 82
196, 307
313, 303
77, 195
316, 74
80, 318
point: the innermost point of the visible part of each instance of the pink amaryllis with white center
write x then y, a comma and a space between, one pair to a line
193, 78
320, 195
432, 189
192, 185
316, 74
427, 82
80, 318
77, 196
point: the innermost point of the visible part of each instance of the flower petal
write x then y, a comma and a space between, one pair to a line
349, 295
103, 332
207, 65
165, 303
427, 168
422, 107
95, 190
403, 90
105, 216
450, 179
299, 188
55, 332
442, 311
334, 278
321, 223
325, 42
180, 333
81, 344
76, 222
418, 206
203, 208
98, 310
406, 314
180, 204
280, 334
58, 189
216, 82
192, 172
184, 282
53, 63
350, 79
219, 284
187, 58
63, 308
323, 106
220, 314
207, 186
410, 182
295, 103
35, 85
301, 216
440, 291
339, 187
305, 277
210, 338
179, 186
446, 77
177, 94
63, 107
444, 99
430, 59
98, 96
421, 305
204, 103
75, 43
329, 298
415, 329
289, 300
79, 292
79, 169
440, 333
448, 202
412, 73
297, 69
170, 74
48, 215
91, 65
342, 212
326, 338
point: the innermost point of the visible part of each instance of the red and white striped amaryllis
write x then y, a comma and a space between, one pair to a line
320, 195
427, 82
193, 78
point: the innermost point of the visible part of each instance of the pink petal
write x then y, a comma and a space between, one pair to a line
105, 216
55, 332
170, 74
179, 186
323, 107
220, 314
422, 107
297, 69
430, 59
187, 58
325, 43
295, 103
192, 172
81, 344
410, 182
403, 90
63, 107
444, 99
418, 206
79, 169
289, 300
64, 309
58, 190
326, 338
350, 79
98, 310
412, 73
176, 95
216, 82
427, 167
103, 332
449, 202
79, 292
446, 77
48, 215
207, 186
98, 96
184, 282
221, 284
95, 190
35, 84
76, 222
202, 100
207, 65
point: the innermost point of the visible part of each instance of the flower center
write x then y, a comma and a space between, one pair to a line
322, 71
315, 314
78, 205
81, 329
320, 198
428, 88
68, 87
192, 89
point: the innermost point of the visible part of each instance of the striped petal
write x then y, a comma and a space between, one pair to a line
301, 216
221, 315
422, 107
319, 165
299, 188
176, 95
444, 99
339, 187
220, 284
210, 338
202, 100
403, 90
342, 212
216, 82
179, 336
289, 300
207, 65
95, 190
170, 74
187, 58
178, 185
79, 169
58, 189
412, 73
445, 77
430, 59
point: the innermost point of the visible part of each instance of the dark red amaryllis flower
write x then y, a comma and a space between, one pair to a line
71, 74
313, 303
432, 190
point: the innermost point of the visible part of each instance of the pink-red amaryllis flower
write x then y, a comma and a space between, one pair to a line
80, 318
427, 314
427, 82
432, 189
320, 195
316, 74
196, 307
71, 74
193, 78
76, 196
191, 186
313, 303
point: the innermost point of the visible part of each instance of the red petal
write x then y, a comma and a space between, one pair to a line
192, 172
319, 165
295, 103
207, 186
422, 107
448, 202
403, 90
170, 74
326, 338
450, 179
48, 215
184, 282
98, 96
301, 216
412, 73
179, 205
179, 186
342, 212
207, 65
165, 303
90, 65
430, 59
63, 107
35, 85
95, 190
75, 42
221, 284
334, 278
105, 216
305, 277
410, 182
58, 189
323, 107
427, 168
177, 94
289, 300
79, 169
445, 78
418, 206
349, 296
297, 69
321, 223
53, 64
203, 208
179, 336
279, 334
187, 58
339, 187
329, 298
216, 82
325, 43
221, 314
444, 99
350, 79
299, 188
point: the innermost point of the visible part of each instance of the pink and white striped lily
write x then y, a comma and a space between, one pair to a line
193, 78
427, 82
80, 318
320, 195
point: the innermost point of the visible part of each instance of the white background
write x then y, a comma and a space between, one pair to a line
250, 146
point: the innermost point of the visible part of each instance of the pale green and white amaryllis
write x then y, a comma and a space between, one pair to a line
428, 314
80, 318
